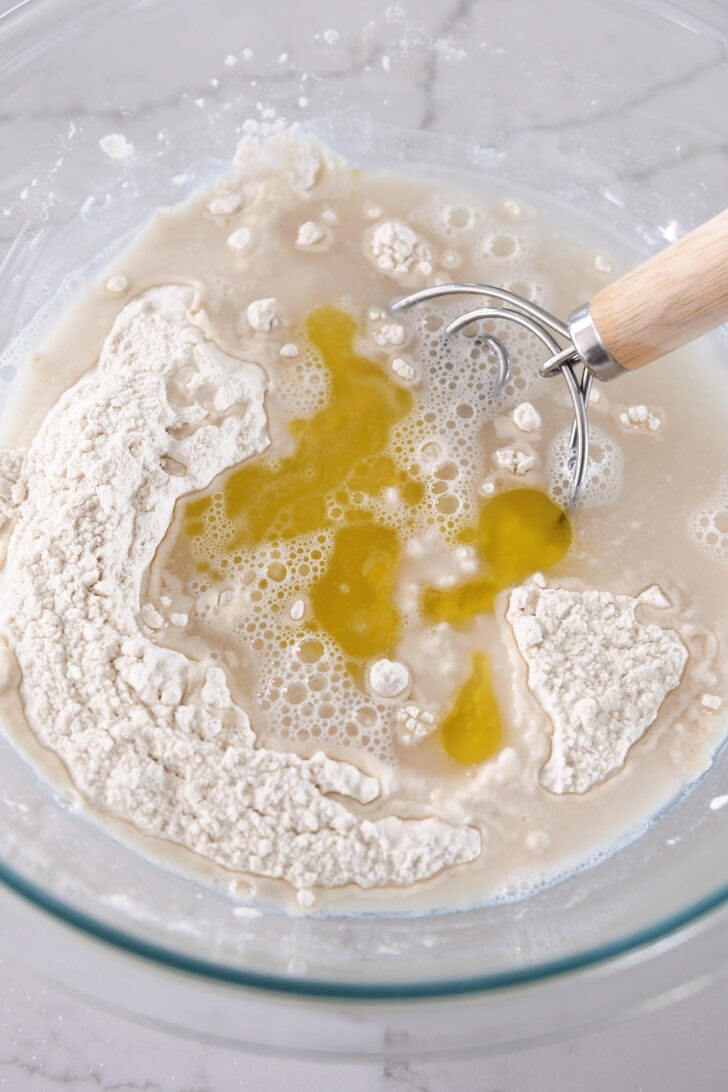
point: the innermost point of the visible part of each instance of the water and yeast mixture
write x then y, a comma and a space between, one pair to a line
289, 588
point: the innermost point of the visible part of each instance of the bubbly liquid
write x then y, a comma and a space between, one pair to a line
380, 522
325, 499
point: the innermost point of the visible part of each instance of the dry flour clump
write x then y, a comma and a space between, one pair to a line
309, 233
526, 417
599, 674
147, 734
388, 678
640, 417
116, 146
395, 248
240, 238
262, 314
515, 461
12, 486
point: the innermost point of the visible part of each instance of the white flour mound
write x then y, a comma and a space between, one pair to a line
147, 734
599, 674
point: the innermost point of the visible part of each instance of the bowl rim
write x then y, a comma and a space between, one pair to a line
691, 15
318, 988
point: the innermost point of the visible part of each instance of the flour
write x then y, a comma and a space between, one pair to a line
309, 233
145, 733
388, 678
262, 315
415, 724
12, 486
603, 263
640, 417
117, 285
403, 369
389, 333
129, 648
240, 238
298, 609
711, 703
526, 417
116, 146
395, 248
513, 460
224, 204
592, 668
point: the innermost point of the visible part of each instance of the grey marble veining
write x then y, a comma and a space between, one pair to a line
49, 1041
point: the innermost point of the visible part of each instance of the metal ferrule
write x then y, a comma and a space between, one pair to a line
590, 346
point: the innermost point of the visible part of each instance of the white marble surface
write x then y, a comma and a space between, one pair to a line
49, 1040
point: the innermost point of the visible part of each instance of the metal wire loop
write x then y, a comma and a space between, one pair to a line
547, 328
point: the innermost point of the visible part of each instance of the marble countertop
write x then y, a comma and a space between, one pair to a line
50, 1039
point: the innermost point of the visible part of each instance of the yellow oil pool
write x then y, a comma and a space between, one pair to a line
471, 731
341, 453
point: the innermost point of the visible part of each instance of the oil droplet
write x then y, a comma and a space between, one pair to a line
339, 446
518, 533
471, 731
354, 599
340, 463
338, 458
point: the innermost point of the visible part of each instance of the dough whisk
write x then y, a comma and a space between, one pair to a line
667, 301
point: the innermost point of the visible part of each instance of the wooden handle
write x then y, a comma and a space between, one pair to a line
672, 298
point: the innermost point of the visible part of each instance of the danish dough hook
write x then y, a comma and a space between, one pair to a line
667, 301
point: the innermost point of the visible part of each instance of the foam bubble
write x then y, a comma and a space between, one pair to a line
446, 220
304, 690
503, 244
708, 524
303, 386
604, 473
308, 694
458, 217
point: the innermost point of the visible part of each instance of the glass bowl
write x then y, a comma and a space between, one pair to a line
615, 108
